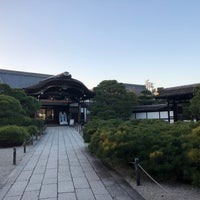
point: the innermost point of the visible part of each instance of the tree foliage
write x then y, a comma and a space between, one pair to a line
146, 98
9, 105
195, 104
5, 89
112, 100
28, 104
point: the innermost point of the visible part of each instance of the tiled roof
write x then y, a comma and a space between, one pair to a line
18, 79
137, 89
185, 91
61, 86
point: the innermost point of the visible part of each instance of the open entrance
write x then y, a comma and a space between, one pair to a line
63, 115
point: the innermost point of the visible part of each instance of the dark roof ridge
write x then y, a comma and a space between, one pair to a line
182, 86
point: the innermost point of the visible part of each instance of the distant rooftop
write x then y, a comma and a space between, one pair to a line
137, 89
179, 92
19, 79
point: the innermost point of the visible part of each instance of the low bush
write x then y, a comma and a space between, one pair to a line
13, 135
166, 151
39, 123
92, 126
32, 130
27, 121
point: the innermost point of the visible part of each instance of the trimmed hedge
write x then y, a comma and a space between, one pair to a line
27, 121
32, 130
166, 151
17, 110
13, 135
92, 126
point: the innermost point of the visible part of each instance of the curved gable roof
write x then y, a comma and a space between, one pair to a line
60, 87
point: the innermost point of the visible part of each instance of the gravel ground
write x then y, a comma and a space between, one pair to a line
150, 191
6, 161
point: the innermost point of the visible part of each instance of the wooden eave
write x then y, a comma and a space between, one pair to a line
49, 102
178, 93
150, 108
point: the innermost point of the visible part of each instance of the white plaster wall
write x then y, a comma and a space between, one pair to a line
153, 115
164, 114
140, 115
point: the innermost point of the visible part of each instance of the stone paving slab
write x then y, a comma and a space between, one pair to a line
60, 167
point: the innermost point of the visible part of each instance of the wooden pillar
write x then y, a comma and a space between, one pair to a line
168, 111
175, 109
79, 113
137, 171
84, 112
14, 156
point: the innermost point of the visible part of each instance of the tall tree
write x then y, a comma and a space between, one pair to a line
112, 100
146, 98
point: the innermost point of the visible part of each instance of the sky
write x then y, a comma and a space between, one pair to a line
130, 41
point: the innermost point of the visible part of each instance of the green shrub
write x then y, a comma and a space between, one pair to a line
32, 130
17, 108
92, 126
11, 110
196, 131
24, 121
27, 121
166, 151
12, 135
37, 122
196, 177
9, 106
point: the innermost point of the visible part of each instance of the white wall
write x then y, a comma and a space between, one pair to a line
163, 115
140, 116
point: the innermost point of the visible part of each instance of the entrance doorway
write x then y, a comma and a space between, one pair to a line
69, 114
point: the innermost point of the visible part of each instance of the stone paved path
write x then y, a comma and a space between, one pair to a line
61, 168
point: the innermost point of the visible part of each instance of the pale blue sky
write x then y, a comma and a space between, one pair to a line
127, 40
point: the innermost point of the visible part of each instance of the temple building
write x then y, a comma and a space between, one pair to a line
176, 97
63, 99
